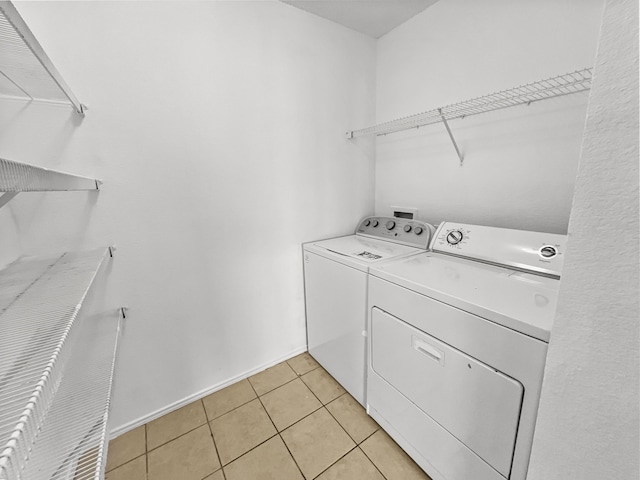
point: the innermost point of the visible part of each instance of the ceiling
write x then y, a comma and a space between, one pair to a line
371, 17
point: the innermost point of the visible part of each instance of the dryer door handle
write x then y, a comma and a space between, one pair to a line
429, 350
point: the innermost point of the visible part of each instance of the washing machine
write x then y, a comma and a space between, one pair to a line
458, 339
335, 283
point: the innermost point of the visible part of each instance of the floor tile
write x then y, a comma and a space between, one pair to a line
216, 476
126, 447
353, 466
189, 457
134, 470
272, 378
269, 461
353, 417
303, 363
289, 403
316, 442
174, 424
323, 385
228, 398
240, 430
390, 459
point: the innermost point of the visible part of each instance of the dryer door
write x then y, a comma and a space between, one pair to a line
477, 404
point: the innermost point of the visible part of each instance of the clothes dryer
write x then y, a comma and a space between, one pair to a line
458, 342
336, 278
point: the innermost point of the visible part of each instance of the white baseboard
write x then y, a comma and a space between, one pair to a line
203, 393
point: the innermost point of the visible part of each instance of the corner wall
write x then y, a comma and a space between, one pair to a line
520, 163
589, 423
218, 130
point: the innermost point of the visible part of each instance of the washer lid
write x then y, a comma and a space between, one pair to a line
519, 301
363, 249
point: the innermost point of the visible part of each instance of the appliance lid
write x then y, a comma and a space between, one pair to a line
364, 249
535, 252
520, 301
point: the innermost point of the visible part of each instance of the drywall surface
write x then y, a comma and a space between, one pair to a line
519, 163
588, 422
218, 130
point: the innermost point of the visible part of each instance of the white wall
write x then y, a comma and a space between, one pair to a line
520, 163
218, 129
588, 422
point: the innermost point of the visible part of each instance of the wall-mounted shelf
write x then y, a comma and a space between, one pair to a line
16, 177
56, 369
566, 84
25, 69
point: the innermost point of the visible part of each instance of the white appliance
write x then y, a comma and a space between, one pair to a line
458, 341
335, 279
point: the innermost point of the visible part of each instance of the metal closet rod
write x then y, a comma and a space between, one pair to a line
13, 17
565, 84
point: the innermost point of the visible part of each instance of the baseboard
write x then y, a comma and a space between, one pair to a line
202, 393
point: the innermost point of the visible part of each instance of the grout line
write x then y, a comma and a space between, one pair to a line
274, 388
300, 374
342, 427
177, 437
251, 449
291, 455
371, 460
146, 451
277, 431
369, 436
348, 452
215, 447
125, 463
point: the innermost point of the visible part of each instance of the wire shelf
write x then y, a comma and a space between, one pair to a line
22, 177
72, 443
40, 300
25, 69
566, 84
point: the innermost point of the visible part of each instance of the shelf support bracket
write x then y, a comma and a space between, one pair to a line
453, 140
6, 198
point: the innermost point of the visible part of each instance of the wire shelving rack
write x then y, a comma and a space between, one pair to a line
26, 71
16, 177
560, 85
56, 369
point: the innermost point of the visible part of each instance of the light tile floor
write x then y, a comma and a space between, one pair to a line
292, 421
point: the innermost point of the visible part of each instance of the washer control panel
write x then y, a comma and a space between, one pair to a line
399, 230
533, 252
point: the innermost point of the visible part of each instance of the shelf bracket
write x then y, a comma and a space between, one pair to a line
453, 140
6, 198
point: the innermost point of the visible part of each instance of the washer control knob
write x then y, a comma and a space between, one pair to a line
407, 228
548, 251
376, 223
390, 225
418, 230
454, 237
367, 223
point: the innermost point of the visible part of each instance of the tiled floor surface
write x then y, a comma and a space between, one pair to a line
290, 422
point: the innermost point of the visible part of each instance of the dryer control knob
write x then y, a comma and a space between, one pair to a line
390, 225
407, 228
454, 237
367, 223
548, 251
418, 230
376, 223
